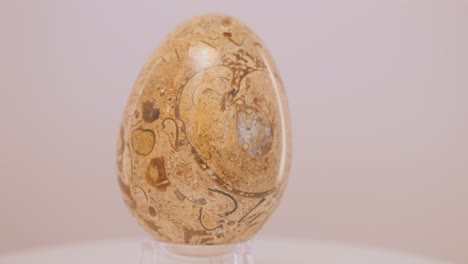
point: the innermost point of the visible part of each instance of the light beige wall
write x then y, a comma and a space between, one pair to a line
378, 93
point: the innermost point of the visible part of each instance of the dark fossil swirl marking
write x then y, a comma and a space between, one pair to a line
238, 76
228, 196
200, 219
156, 174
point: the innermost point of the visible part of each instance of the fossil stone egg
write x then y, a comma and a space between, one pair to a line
204, 146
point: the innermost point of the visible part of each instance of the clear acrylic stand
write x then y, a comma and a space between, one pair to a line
154, 252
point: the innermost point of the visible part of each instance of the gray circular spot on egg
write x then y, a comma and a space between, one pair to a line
254, 133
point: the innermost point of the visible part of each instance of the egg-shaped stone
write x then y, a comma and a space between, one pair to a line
204, 146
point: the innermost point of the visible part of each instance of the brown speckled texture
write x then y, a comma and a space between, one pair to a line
204, 149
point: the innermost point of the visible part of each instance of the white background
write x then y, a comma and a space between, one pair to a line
378, 93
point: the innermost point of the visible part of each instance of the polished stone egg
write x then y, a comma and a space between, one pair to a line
204, 146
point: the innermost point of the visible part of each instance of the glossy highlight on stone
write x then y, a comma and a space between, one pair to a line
204, 146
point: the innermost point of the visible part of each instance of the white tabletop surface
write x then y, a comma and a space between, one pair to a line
265, 250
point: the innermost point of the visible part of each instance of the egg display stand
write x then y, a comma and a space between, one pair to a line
155, 252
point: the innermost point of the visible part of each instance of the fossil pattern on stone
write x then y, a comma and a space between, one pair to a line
204, 146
